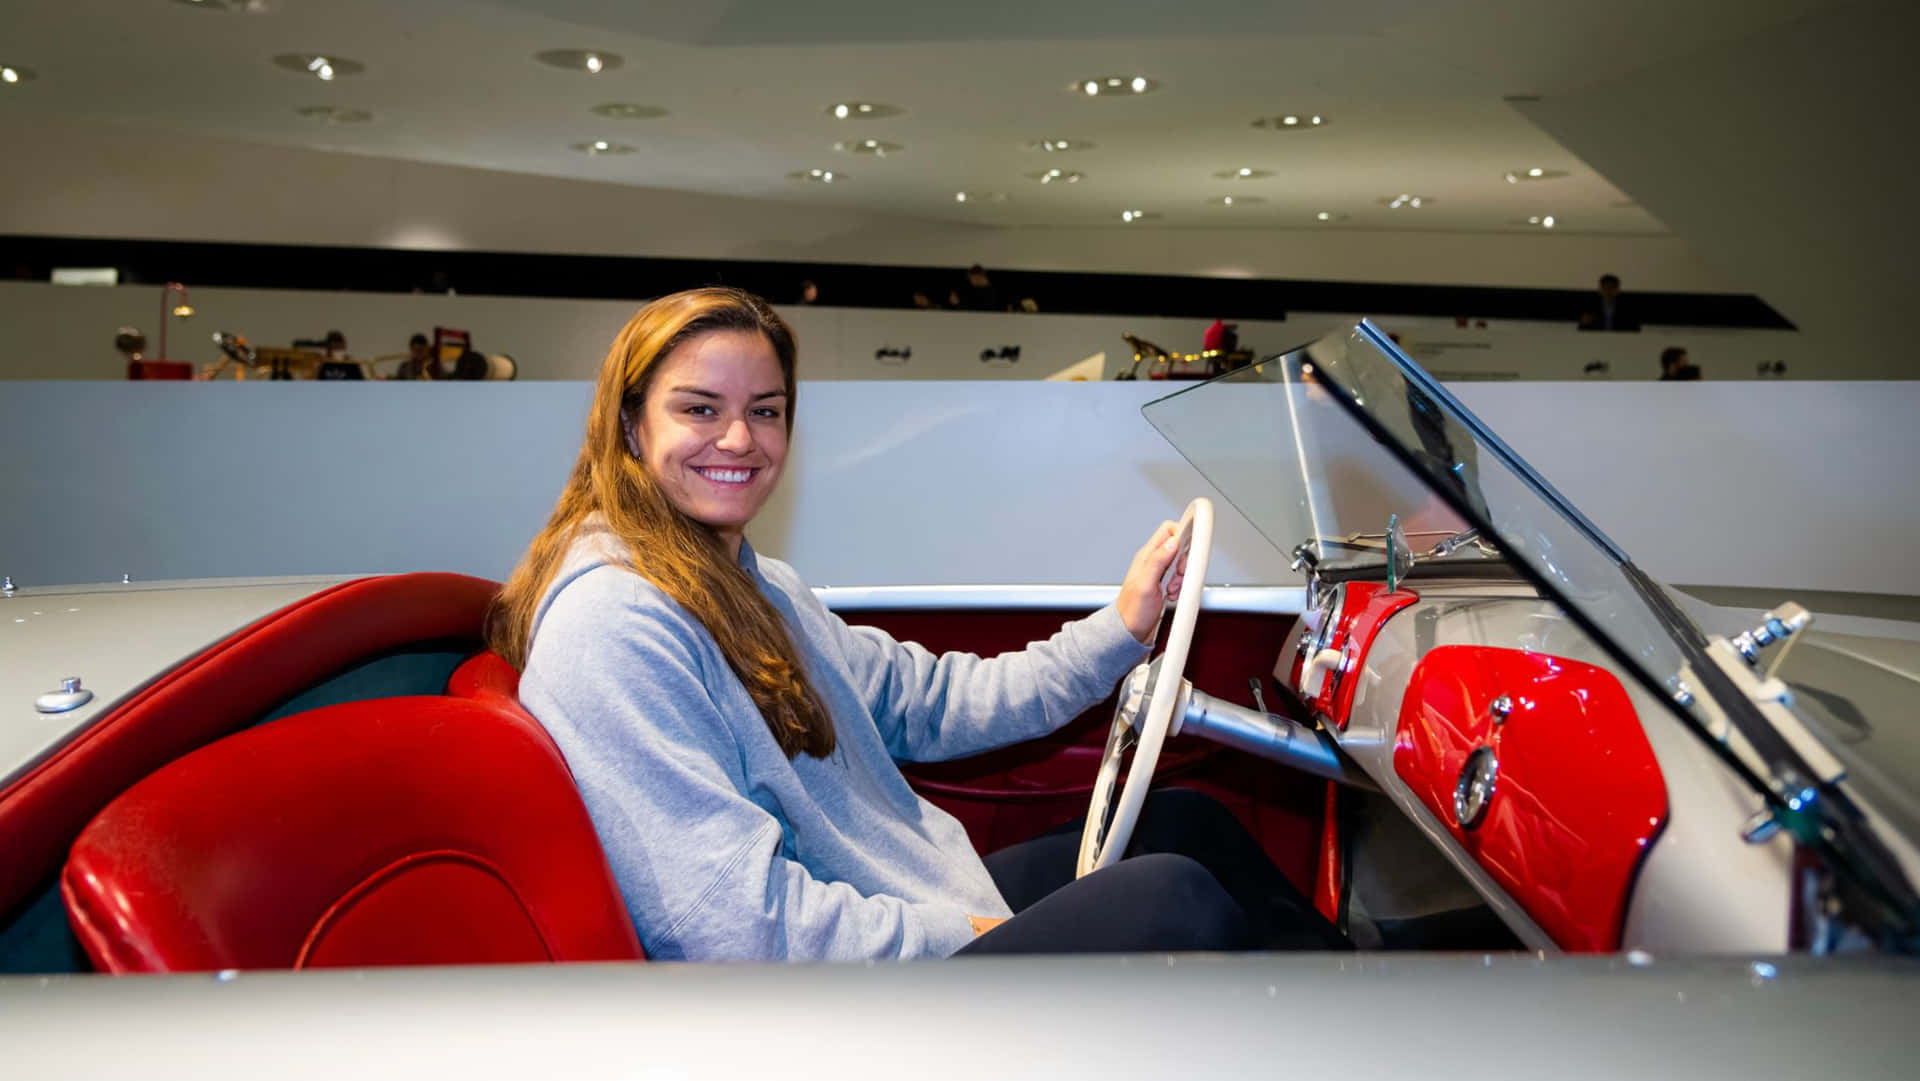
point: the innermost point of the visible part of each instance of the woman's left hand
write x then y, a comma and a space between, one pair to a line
1141, 600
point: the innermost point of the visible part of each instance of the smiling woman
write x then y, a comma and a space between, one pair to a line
737, 744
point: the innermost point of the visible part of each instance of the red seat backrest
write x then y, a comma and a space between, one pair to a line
425, 830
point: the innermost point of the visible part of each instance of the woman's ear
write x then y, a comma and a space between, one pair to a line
628, 431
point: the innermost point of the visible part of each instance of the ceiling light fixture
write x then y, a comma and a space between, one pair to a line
331, 115
879, 148
11, 75
979, 196
591, 61
816, 176
324, 68
1292, 122
1395, 202
1522, 176
1329, 216
862, 110
1245, 172
1235, 200
1113, 86
599, 147
1544, 221
626, 110
1137, 215
253, 7
1059, 146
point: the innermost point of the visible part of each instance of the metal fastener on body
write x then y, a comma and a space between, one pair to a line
1501, 708
70, 696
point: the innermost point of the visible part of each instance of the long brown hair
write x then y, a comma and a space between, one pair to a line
685, 558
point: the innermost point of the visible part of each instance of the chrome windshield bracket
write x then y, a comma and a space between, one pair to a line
1771, 697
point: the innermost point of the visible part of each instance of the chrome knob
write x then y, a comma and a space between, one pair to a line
1501, 708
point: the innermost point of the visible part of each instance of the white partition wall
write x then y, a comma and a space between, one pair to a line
1791, 485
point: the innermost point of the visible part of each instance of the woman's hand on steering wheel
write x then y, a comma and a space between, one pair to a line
1148, 589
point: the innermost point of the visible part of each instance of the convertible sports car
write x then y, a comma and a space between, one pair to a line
1575, 822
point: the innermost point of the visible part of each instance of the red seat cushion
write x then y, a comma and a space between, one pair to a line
391, 831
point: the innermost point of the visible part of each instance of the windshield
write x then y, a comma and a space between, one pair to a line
1321, 448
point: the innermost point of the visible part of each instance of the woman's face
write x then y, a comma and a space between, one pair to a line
713, 430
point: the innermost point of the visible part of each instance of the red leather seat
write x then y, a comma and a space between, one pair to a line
430, 830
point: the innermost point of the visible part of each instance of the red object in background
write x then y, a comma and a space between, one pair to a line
366, 833
1578, 796
159, 369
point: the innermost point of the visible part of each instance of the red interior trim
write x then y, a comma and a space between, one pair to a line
217, 691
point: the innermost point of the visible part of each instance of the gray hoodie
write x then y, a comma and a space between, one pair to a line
726, 849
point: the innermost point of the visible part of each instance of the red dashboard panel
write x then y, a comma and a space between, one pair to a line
1366, 608
1576, 797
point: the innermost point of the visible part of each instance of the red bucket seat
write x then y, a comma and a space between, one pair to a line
425, 830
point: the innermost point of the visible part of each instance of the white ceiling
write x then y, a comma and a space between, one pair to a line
1413, 88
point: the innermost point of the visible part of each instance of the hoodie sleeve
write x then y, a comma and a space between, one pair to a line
618, 677
932, 708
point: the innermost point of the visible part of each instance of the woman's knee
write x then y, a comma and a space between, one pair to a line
1190, 909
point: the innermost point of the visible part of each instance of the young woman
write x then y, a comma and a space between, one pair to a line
735, 742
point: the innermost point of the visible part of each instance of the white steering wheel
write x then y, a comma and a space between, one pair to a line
1160, 686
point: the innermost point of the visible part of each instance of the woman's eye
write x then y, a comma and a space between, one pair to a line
767, 412
700, 410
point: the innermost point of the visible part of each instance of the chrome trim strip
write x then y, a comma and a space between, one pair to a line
1265, 600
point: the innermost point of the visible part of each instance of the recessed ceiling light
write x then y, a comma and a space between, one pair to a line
1137, 215
335, 116
1329, 216
1113, 86
979, 196
1395, 202
879, 148
251, 7
1542, 221
1521, 176
817, 176
598, 147
591, 61
1059, 146
862, 110
324, 68
626, 110
11, 75
1057, 176
1245, 172
1235, 200
1292, 122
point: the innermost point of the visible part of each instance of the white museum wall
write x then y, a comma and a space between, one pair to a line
1787, 485
66, 332
130, 183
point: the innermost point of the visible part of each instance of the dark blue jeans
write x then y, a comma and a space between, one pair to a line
1192, 879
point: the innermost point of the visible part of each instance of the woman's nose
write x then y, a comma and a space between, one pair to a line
737, 437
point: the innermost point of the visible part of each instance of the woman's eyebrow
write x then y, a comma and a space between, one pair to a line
700, 392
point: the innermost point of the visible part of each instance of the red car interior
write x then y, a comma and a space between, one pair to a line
1579, 795
324, 838
416, 830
